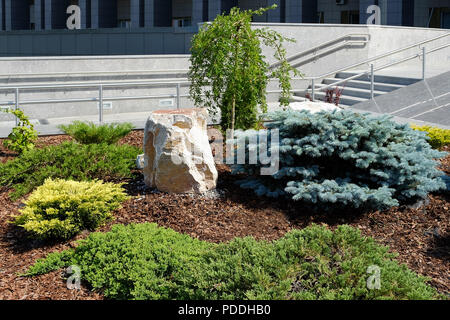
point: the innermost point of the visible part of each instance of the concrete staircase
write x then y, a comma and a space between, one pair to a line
358, 90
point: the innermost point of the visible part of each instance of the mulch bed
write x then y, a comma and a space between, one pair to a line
420, 236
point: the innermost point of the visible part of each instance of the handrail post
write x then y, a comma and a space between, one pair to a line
424, 62
17, 104
372, 82
178, 96
100, 106
313, 91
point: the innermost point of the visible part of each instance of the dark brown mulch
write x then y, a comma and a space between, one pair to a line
420, 236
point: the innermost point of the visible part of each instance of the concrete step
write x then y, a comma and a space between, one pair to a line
384, 87
354, 92
379, 78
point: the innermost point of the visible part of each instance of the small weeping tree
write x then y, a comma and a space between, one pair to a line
229, 71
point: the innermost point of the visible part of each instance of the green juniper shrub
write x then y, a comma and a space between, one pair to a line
22, 136
89, 132
344, 159
144, 261
68, 160
59, 209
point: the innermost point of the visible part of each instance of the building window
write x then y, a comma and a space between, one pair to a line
439, 18
446, 20
124, 14
182, 22
350, 17
205, 7
124, 23
32, 25
321, 17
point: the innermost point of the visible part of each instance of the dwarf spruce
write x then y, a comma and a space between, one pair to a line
341, 158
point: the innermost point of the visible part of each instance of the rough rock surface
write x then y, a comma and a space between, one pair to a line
177, 154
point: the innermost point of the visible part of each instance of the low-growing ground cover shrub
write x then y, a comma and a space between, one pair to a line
438, 137
89, 132
144, 261
22, 136
345, 159
59, 209
70, 161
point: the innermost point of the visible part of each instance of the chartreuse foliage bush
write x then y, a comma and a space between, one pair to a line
438, 137
22, 136
89, 132
59, 209
68, 160
144, 261
346, 159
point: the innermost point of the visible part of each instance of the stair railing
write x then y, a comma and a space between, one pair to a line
344, 41
424, 52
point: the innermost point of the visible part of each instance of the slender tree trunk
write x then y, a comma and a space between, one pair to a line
233, 103
233, 114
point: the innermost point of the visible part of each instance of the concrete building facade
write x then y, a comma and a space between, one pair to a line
96, 14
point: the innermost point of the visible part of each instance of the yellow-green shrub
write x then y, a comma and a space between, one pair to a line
59, 209
438, 137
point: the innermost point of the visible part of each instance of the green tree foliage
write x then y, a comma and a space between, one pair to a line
229, 72
59, 209
144, 261
89, 133
341, 158
70, 161
22, 136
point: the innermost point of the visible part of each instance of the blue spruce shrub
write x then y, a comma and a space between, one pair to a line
344, 158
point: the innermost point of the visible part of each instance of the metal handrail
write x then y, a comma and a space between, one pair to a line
381, 56
125, 72
93, 84
418, 55
346, 39
100, 98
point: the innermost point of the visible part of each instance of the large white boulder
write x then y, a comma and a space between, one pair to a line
177, 154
